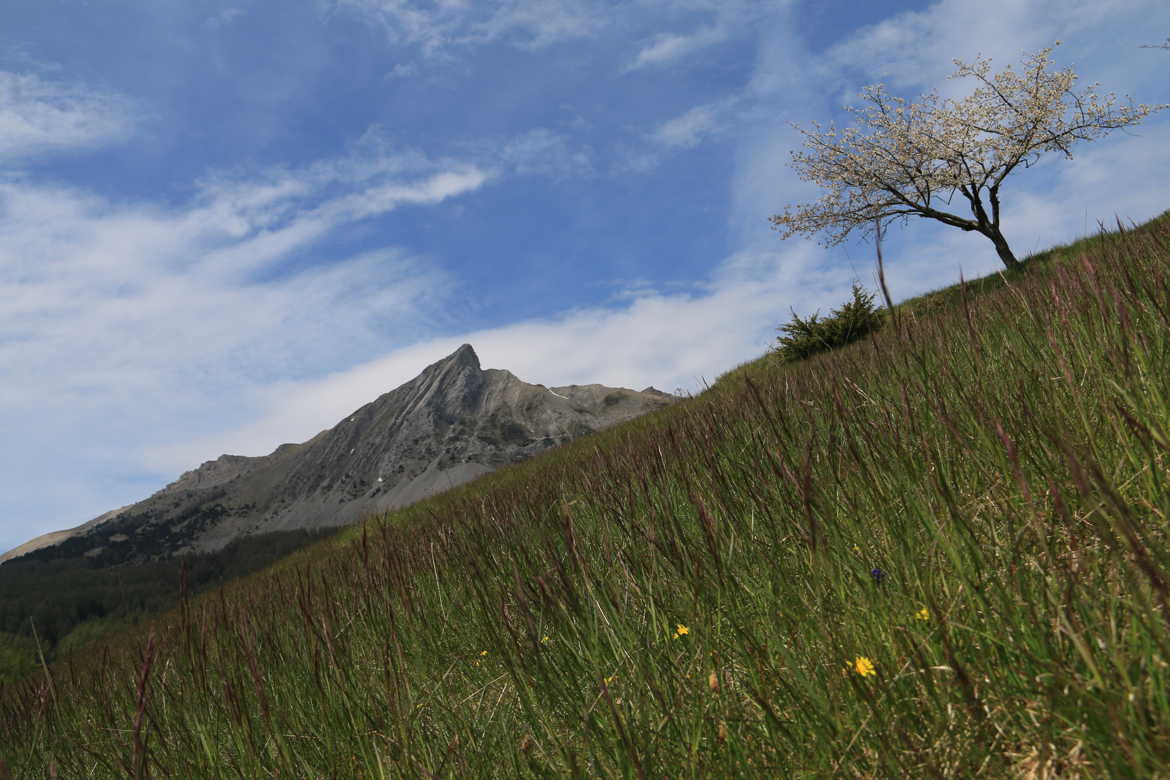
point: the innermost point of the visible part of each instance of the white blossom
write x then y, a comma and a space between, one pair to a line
903, 159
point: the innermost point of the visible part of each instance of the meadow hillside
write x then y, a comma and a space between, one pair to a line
941, 551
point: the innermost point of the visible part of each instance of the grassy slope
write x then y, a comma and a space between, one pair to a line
1000, 459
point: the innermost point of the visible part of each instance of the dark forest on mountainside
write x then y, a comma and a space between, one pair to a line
64, 602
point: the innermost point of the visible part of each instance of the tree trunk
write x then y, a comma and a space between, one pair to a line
1002, 249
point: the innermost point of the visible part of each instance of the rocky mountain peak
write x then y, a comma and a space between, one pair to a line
465, 355
462, 359
453, 422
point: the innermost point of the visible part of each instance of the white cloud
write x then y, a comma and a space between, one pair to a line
224, 18
541, 151
435, 26
726, 19
406, 22
916, 48
540, 24
97, 279
689, 128
668, 47
38, 116
535, 24
271, 232
403, 70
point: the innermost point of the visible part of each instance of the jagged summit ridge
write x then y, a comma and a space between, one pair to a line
453, 422
464, 355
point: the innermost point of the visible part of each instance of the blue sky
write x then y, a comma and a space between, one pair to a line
224, 224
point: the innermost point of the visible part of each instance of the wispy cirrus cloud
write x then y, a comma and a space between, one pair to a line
270, 235
542, 152
536, 25
437, 25
71, 259
224, 18
666, 48
39, 116
689, 128
721, 21
917, 48
433, 26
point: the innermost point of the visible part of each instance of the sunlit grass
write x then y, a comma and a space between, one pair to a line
940, 551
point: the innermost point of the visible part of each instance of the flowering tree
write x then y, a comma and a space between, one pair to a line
919, 159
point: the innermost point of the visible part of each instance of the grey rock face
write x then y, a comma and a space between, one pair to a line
452, 423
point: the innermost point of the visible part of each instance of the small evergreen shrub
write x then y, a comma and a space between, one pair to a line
802, 338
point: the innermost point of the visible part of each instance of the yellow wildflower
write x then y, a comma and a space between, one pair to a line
864, 666
483, 652
544, 639
922, 614
681, 631
611, 678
